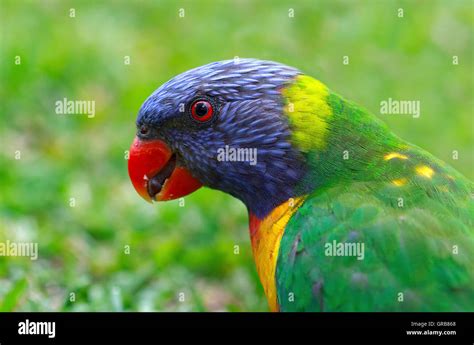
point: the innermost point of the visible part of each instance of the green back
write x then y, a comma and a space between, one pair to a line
413, 213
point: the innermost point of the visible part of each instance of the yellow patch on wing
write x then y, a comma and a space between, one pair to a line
399, 182
308, 112
425, 171
393, 155
266, 245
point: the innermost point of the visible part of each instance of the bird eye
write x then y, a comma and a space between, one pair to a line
144, 130
201, 110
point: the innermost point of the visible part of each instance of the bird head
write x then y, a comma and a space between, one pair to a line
221, 125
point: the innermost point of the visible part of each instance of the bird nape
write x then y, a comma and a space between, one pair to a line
344, 215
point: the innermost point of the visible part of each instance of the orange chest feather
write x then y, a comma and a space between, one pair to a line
265, 236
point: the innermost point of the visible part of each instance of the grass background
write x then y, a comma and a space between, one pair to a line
186, 249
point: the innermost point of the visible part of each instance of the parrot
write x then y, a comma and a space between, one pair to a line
344, 215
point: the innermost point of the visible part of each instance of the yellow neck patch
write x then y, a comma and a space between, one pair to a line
265, 237
308, 111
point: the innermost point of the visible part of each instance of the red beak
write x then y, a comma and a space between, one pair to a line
154, 173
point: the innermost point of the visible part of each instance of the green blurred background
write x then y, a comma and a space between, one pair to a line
188, 249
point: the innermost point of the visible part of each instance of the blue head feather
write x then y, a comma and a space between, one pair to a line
248, 114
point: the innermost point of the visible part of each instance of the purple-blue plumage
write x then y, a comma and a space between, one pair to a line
249, 115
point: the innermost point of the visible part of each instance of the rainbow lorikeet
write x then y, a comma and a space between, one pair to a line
344, 215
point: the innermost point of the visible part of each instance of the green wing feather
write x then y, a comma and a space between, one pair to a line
422, 250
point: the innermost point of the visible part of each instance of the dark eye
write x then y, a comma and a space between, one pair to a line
144, 130
201, 110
